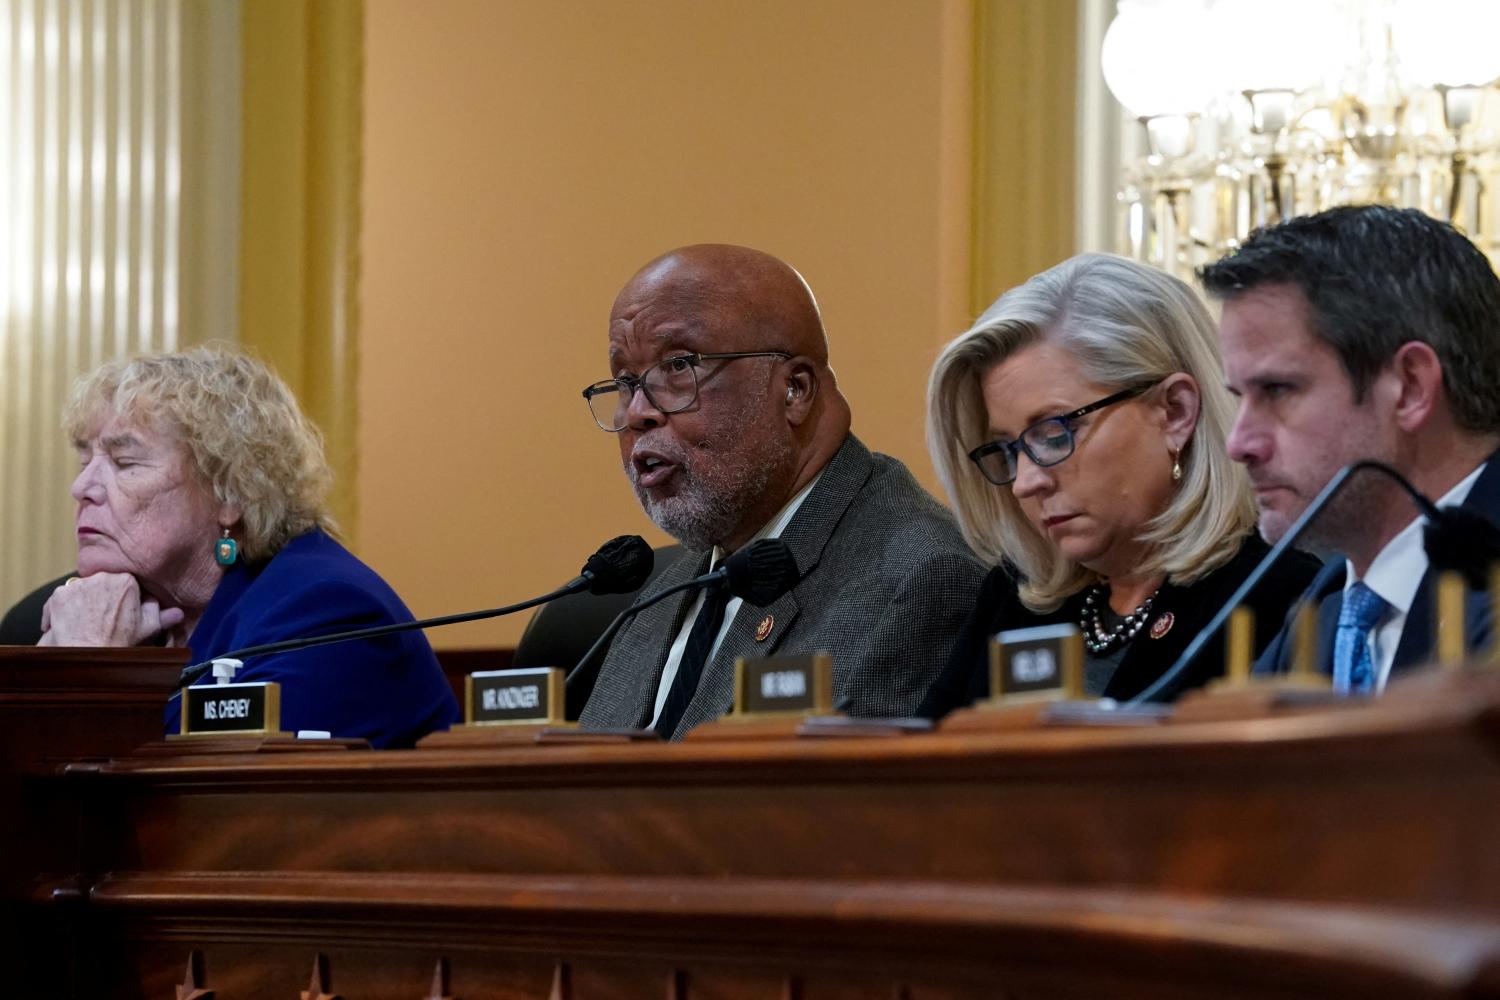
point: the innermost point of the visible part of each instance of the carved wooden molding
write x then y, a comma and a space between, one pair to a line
826, 925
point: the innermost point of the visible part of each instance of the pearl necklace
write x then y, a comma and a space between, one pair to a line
1095, 638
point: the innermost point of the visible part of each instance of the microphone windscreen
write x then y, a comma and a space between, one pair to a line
1464, 541
620, 566
761, 572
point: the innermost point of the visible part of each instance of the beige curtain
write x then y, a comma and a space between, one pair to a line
92, 234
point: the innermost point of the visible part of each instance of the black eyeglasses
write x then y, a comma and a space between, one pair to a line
671, 385
1046, 442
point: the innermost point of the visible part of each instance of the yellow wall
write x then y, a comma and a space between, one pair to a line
523, 158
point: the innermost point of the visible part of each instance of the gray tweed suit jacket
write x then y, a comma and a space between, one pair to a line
886, 579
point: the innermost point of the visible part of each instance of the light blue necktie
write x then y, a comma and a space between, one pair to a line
1353, 668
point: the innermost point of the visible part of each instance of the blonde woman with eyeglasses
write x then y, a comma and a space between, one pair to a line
1079, 428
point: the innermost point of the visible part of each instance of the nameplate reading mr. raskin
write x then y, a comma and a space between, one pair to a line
784, 685
501, 697
213, 709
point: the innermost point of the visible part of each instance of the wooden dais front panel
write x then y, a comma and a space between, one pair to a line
1342, 851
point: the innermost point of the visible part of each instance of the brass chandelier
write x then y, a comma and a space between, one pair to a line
1254, 111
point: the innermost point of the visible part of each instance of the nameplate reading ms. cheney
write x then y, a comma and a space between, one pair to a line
216, 709
1037, 664
510, 697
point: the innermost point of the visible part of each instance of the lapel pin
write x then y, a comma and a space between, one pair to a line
1162, 625
763, 630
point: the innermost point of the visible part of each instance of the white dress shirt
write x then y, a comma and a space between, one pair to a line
773, 529
1395, 574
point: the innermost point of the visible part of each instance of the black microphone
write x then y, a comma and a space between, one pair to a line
1464, 541
620, 566
1455, 539
758, 573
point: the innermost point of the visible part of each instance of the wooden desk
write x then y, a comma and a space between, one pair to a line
60, 704
1346, 852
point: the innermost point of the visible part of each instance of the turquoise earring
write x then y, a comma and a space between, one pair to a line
226, 550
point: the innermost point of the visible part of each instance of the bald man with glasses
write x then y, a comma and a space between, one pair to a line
732, 428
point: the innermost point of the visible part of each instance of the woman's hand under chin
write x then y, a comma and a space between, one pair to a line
106, 609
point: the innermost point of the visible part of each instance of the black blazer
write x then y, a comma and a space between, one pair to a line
1418, 635
966, 677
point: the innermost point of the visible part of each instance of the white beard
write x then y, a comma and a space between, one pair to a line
710, 505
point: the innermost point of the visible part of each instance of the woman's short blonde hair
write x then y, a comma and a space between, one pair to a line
1127, 324
247, 439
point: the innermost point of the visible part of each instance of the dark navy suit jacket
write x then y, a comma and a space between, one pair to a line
390, 691
1416, 647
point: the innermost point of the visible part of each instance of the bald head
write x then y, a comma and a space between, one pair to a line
764, 300
763, 424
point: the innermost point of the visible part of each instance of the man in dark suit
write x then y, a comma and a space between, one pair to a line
732, 428
1364, 332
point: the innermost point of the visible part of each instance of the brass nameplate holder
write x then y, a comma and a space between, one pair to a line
1036, 679
1458, 669
1239, 654
1494, 658
525, 697
252, 709
782, 686
1454, 660
774, 698
1305, 642
1452, 640
522, 706
1241, 694
1303, 675
1028, 665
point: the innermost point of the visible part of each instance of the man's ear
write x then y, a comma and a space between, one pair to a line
1416, 380
1181, 402
799, 390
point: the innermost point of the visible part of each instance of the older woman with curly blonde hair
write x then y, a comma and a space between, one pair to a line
202, 522
1079, 429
